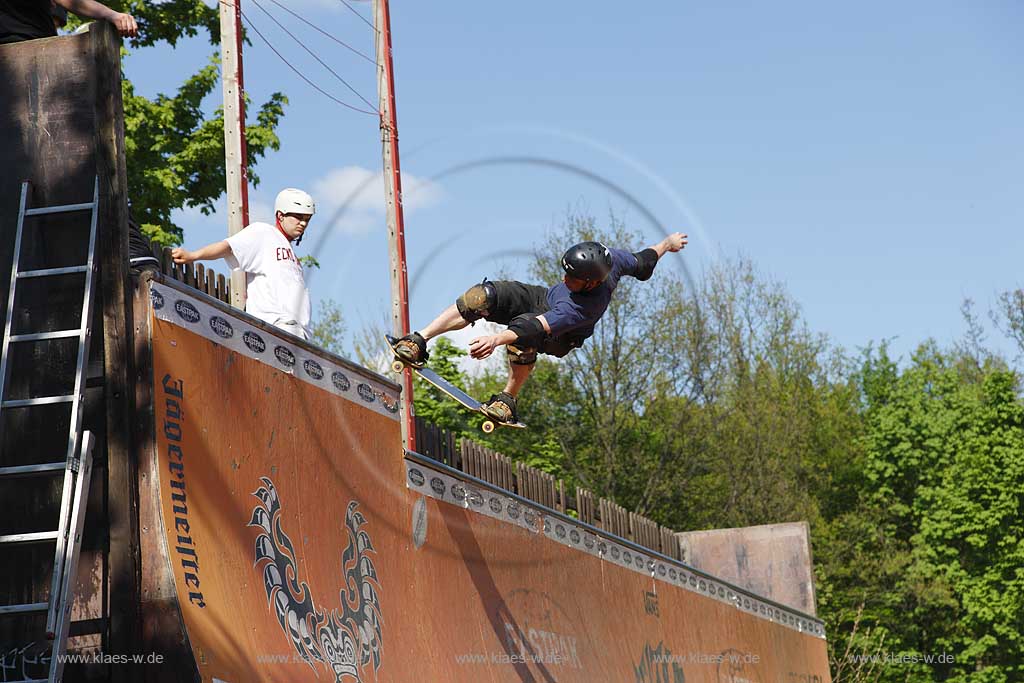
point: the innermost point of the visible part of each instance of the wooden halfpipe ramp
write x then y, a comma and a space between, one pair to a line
287, 537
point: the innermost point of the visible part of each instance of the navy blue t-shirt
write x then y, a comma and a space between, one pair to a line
576, 313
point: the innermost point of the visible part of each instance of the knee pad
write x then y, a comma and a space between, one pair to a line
518, 355
477, 302
560, 346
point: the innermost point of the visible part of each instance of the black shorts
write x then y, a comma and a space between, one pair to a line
515, 299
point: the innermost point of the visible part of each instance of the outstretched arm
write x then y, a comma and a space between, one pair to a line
207, 253
674, 242
90, 9
647, 259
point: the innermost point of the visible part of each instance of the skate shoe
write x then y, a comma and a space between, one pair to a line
501, 407
412, 349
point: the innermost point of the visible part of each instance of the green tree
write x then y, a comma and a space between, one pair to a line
174, 152
551, 401
933, 549
1009, 316
329, 327
770, 414
704, 408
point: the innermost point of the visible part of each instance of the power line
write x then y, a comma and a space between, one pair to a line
314, 55
301, 75
358, 14
371, 60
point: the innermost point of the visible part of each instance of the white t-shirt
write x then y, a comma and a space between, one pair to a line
275, 288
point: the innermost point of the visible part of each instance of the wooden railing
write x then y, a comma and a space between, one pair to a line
438, 444
197, 276
543, 488
585, 506
485, 464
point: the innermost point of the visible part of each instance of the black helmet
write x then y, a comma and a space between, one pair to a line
588, 261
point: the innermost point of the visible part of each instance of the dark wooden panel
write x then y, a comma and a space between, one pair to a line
118, 351
61, 126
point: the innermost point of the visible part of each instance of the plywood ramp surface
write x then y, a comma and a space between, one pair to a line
303, 546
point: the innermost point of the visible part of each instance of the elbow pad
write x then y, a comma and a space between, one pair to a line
645, 262
529, 332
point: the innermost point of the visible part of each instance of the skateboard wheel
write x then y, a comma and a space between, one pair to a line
397, 366
487, 426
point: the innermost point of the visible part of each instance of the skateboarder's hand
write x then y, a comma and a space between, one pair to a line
675, 242
481, 347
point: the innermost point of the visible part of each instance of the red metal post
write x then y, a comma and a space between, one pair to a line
244, 174
396, 214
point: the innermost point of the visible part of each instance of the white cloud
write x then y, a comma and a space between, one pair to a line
359, 190
353, 196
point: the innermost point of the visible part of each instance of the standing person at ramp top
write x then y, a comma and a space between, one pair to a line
553, 321
30, 19
275, 288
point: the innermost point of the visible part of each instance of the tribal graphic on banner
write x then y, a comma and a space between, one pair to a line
334, 638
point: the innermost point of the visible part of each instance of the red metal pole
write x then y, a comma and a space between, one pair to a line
396, 214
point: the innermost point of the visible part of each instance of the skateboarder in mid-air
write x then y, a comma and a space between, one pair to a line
553, 321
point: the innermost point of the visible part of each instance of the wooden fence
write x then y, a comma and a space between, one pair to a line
439, 444
543, 488
197, 276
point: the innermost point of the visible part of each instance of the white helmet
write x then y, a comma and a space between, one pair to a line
291, 200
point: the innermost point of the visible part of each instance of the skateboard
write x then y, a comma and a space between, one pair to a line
398, 365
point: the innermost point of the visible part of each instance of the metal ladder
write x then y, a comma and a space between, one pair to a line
77, 464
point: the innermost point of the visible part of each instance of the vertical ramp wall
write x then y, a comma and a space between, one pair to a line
773, 560
287, 538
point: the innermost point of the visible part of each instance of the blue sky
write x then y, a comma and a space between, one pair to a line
869, 155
